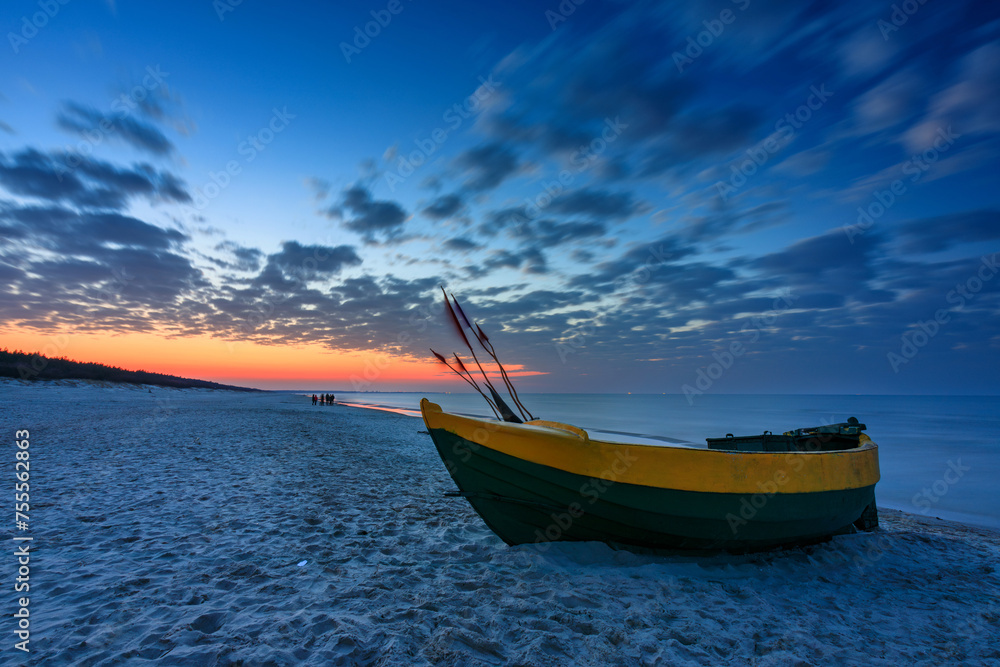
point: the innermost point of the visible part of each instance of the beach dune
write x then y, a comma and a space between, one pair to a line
205, 527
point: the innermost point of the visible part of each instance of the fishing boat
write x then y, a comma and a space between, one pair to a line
542, 481
533, 480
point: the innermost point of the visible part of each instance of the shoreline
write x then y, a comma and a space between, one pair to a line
985, 522
116, 384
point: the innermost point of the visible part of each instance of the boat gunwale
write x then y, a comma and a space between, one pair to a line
856, 467
570, 431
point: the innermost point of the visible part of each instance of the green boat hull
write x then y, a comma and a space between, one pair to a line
526, 502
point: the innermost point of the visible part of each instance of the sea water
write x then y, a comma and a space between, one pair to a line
939, 455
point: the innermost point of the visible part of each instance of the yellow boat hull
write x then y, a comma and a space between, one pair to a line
545, 481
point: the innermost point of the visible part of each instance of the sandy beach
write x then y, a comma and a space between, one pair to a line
204, 527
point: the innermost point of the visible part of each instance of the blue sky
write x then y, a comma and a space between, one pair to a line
649, 197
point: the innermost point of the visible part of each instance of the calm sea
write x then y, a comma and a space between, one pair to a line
939, 455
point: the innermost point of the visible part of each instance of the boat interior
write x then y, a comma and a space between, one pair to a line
828, 438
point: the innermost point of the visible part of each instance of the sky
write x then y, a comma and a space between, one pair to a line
739, 196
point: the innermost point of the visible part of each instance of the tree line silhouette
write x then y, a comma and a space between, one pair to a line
34, 366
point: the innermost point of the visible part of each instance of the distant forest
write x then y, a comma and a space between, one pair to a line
27, 366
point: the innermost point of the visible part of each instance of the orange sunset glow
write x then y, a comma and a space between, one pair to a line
247, 363
240, 362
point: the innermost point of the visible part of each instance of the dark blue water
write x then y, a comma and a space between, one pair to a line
939, 455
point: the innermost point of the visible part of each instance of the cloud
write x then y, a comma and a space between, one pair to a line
892, 102
637, 262
89, 233
804, 163
319, 187
34, 174
357, 313
88, 122
597, 204
10, 274
866, 52
813, 264
971, 105
297, 263
498, 220
443, 207
162, 104
926, 235
97, 261
487, 166
530, 260
461, 244
530, 304
84, 182
549, 233
317, 259
679, 286
561, 94
101, 270
94, 270
112, 228
545, 233
371, 218
729, 221
707, 132
246, 259
697, 136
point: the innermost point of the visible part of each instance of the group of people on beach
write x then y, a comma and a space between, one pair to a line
323, 399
